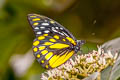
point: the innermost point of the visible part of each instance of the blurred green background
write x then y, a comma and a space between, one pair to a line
95, 21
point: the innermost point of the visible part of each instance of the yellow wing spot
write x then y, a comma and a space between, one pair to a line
53, 59
41, 47
68, 56
48, 55
71, 40
41, 37
47, 43
62, 59
36, 19
52, 22
36, 43
59, 61
56, 36
46, 66
63, 39
35, 24
44, 52
38, 55
35, 49
42, 61
32, 16
59, 45
45, 34
52, 40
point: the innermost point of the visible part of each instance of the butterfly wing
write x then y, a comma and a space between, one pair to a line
53, 44
42, 24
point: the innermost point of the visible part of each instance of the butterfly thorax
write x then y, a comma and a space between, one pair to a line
79, 43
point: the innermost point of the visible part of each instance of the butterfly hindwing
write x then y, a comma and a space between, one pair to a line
53, 44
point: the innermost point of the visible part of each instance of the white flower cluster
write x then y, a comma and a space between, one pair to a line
82, 65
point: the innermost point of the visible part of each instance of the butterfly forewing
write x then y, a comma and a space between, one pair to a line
53, 44
42, 24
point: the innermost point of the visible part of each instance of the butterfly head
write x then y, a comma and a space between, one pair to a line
79, 43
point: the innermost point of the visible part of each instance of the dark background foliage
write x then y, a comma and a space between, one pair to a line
95, 21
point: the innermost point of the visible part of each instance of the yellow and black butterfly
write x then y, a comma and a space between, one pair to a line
53, 44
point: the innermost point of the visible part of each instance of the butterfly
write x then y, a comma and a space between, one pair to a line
53, 44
